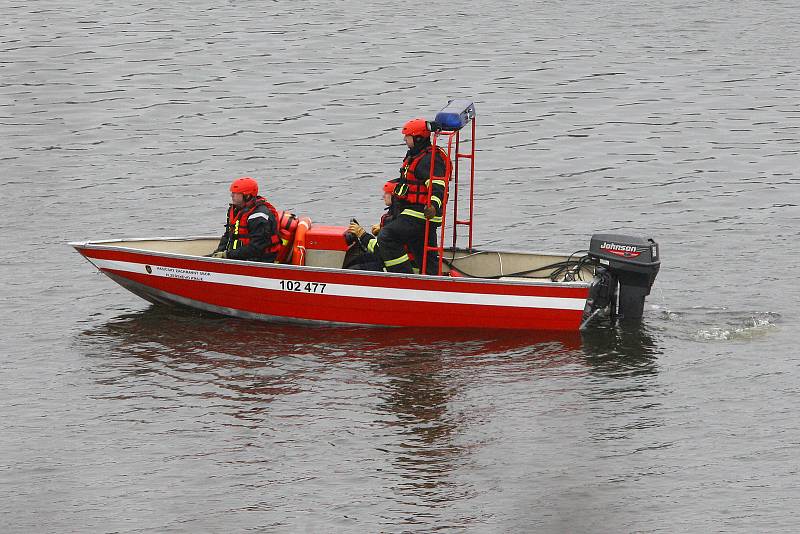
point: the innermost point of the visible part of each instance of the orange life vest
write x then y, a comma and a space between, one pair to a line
417, 191
287, 226
238, 235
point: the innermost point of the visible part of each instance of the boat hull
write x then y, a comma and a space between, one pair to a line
335, 296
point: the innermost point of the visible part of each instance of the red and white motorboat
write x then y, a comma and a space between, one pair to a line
474, 288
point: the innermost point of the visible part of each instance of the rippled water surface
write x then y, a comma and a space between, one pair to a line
673, 120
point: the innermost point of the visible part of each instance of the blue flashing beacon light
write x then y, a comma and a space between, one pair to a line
456, 114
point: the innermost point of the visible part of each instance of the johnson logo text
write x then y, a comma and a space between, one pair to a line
626, 251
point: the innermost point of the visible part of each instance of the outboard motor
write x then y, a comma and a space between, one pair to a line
630, 262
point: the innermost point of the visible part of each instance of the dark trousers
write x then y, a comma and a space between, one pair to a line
406, 231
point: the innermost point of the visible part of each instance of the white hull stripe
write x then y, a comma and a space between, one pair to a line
344, 290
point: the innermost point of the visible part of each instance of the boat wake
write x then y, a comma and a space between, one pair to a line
754, 326
721, 324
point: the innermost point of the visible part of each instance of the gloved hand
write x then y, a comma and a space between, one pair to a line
429, 211
376, 228
222, 254
356, 229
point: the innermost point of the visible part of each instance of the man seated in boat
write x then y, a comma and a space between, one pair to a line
391, 212
419, 197
361, 256
251, 229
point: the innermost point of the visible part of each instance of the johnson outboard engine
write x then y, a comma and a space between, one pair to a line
625, 269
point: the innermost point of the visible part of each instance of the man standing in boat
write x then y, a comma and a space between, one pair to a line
251, 230
419, 196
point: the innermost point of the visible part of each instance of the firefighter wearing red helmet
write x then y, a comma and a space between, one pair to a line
391, 207
364, 259
418, 197
251, 229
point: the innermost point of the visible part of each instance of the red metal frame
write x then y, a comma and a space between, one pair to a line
451, 135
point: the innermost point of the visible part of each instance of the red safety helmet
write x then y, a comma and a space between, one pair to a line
388, 187
245, 185
417, 128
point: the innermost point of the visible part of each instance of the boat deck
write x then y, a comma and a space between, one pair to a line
501, 265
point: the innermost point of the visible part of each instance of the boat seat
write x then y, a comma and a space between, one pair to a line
325, 246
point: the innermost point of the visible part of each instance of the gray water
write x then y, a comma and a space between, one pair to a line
673, 120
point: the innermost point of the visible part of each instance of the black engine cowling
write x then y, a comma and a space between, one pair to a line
632, 263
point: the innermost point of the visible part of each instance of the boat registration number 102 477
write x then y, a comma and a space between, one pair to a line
308, 287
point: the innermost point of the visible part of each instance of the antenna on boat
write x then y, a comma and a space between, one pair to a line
449, 123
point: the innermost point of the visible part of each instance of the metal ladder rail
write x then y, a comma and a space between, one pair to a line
471, 157
440, 243
455, 172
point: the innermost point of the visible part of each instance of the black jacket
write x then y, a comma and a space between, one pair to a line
261, 227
